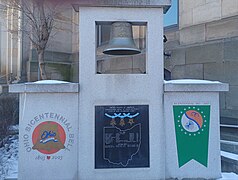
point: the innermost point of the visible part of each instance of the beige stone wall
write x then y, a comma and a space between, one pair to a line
194, 12
205, 20
204, 46
61, 36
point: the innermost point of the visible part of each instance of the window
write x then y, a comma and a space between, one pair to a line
132, 64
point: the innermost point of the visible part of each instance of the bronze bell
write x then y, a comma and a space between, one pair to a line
121, 40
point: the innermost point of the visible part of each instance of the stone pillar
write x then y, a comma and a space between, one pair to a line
121, 115
192, 129
48, 130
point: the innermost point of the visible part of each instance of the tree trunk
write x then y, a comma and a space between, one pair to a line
41, 64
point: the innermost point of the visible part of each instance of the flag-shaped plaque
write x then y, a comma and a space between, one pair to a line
192, 132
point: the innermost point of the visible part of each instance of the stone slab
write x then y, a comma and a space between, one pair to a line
231, 98
120, 89
186, 18
229, 146
229, 121
222, 29
230, 48
41, 113
229, 113
194, 86
43, 88
214, 71
231, 72
229, 9
123, 3
192, 71
208, 12
204, 53
193, 34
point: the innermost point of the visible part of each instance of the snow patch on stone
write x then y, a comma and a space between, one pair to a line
191, 81
50, 82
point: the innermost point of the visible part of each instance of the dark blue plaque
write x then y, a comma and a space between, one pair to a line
122, 136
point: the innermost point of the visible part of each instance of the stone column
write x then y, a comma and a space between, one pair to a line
192, 126
48, 130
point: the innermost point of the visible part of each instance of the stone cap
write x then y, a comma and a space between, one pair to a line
165, 4
194, 85
45, 86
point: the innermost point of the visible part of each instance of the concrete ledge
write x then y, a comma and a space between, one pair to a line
229, 162
119, 3
192, 85
47, 86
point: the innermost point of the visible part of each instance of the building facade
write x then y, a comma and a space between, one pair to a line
18, 58
204, 46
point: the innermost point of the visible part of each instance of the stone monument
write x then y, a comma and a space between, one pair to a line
120, 126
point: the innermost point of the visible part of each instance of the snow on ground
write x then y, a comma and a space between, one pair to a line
229, 176
9, 157
9, 160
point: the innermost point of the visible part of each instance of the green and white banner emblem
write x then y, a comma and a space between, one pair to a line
192, 132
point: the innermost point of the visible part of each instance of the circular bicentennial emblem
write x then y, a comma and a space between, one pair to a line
192, 121
48, 137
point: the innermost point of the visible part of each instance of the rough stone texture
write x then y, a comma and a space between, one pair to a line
229, 165
187, 5
203, 11
214, 71
230, 49
231, 98
222, 29
229, 113
208, 12
229, 8
205, 53
229, 133
229, 121
186, 18
231, 72
193, 34
191, 71
231, 147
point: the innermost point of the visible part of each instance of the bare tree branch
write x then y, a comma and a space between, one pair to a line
40, 18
